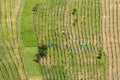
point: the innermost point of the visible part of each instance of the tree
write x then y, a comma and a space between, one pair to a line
42, 52
36, 7
100, 54
74, 11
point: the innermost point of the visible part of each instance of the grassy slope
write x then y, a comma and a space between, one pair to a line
27, 26
28, 38
1, 78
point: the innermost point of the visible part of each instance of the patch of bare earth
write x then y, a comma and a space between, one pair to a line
111, 36
35, 78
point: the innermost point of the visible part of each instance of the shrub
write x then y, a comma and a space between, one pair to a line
75, 22
74, 11
100, 54
36, 7
42, 52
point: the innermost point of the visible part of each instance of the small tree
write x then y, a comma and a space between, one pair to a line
42, 52
100, 53
75, 21
74, 11
36, 7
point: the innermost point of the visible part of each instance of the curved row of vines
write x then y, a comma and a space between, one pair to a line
71, 31
11, 62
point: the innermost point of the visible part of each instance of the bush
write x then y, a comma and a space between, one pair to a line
75, 22
74, 11
42, 52
100, 54
36, 7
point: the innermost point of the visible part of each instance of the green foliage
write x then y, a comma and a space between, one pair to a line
27, 26
32, 68
75, 21
36, 7
100, 54
42, 50
74, 11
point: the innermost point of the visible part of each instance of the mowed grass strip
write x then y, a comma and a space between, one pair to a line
32, 67
28, 39
27, 25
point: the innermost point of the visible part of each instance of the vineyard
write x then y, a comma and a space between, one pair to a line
59, 40
11, 63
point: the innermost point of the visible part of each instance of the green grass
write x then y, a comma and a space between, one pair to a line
32, 68
28, 38
27, 25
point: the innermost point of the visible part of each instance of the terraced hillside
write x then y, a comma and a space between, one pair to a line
59, 40
11, 63
111, 36
71, 30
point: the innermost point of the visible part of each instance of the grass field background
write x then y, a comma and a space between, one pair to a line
82, 39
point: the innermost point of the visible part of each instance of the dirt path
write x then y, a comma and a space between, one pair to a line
10, 13
110, 36
35, 78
